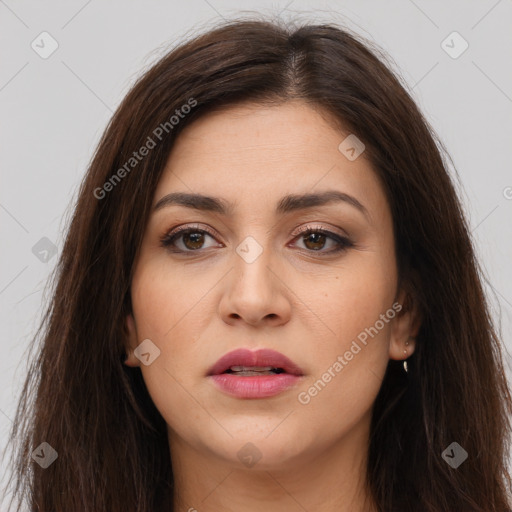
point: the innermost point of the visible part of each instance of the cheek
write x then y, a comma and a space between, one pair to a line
354, 299
349, 365
171, 309
164, 315
351, 359
165, 299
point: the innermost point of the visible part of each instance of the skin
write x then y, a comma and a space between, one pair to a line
309, 305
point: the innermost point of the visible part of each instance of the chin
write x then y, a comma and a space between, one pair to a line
257, 450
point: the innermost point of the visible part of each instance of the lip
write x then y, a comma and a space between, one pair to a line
254, 386
262, 357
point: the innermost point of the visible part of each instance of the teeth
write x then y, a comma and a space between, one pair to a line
251, 368
245, 371
249, 373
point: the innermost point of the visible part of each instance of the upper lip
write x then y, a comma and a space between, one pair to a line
262, 357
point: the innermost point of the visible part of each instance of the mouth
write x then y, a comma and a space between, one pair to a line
254, 374
244, 362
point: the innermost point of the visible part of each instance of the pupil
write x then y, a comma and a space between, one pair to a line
196, 239
313, 236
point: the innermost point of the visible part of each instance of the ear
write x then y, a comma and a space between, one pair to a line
131, 342
405, 327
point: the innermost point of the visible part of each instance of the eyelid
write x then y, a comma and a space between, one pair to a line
191, 227
204, 227
319, 227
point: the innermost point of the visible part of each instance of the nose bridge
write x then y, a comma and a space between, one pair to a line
252, 261
253, 292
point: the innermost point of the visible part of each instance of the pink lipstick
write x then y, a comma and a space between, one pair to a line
254, 374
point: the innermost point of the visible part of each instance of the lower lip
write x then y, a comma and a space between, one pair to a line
255, 386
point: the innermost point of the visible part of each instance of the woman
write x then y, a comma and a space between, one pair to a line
266, 233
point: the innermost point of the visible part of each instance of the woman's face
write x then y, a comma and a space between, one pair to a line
248, 276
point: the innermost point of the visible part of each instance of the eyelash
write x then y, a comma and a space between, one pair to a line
169, 239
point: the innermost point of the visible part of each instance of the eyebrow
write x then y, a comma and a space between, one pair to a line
287, 204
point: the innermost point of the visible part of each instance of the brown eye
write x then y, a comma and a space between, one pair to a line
315, 239
193, 240
186, 239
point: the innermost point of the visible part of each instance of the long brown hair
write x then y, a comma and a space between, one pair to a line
96, 413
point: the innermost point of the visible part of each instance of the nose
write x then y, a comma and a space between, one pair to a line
255, 293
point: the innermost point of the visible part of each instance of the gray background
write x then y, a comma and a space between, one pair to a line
54, 110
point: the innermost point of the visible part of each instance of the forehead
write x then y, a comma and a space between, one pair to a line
252, 154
